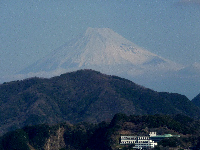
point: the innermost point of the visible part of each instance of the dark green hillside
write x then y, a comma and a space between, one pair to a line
104, 135
84, 95
196, 100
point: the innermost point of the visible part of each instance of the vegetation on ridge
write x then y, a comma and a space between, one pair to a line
105, 135
84, 95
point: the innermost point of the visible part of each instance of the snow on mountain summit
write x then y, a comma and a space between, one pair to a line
103, 50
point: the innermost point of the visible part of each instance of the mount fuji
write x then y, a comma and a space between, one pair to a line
104, 50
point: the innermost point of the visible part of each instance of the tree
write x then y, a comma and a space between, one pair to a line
16, 140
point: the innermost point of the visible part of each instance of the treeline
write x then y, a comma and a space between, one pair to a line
106, 135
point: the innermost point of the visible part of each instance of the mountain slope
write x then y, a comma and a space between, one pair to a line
103, 50
104, 136
83, 95
196, 100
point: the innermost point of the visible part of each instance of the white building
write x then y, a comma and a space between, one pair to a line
144, 141
139, 141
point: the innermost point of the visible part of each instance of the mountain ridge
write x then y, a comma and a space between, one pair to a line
196, 100
104, 50
101, 49
84, 95
105, 135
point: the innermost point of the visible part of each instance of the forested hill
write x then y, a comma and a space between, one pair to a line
196, 100
105, 135
84, 95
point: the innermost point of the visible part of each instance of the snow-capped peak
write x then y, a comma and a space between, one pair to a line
104, 50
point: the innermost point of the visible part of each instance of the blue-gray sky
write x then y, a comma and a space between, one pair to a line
30, 29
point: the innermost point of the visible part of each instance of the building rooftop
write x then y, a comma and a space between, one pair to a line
166, 135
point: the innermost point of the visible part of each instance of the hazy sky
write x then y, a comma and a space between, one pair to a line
30, 29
